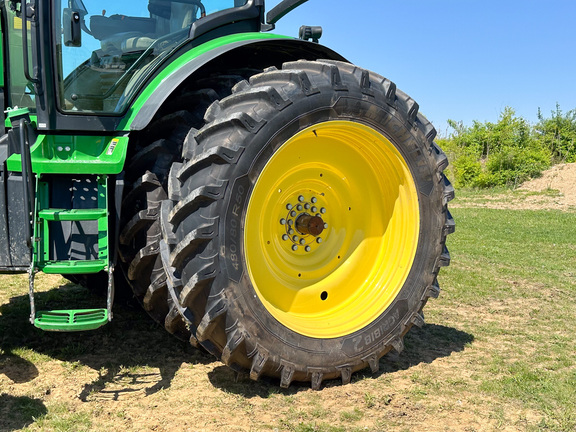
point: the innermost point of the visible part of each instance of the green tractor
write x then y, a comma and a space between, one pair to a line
261, 197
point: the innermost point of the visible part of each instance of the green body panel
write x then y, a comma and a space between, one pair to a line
71, 320
12, 113
63, 154
181, 61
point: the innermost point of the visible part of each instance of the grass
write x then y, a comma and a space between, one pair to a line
497, 352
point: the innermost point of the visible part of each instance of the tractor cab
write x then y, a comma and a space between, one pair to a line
89, 59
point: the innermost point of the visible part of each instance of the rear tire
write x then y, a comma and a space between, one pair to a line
269, 299
151, 155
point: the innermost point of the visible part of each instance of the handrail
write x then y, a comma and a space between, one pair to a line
26, 178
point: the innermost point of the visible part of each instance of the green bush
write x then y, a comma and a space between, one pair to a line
558, 134
505, 153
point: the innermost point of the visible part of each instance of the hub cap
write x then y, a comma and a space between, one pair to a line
331, 229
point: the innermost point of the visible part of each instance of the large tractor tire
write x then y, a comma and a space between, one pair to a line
152, 153
304, 231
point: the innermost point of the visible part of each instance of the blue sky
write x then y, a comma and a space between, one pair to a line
459, 59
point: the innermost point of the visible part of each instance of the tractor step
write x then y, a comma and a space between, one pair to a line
72, 214
71, 320
70, 236
72, 266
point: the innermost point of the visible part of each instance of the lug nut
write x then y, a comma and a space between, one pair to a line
306, 206
302, 241
289, 206
314, 199
319, 240
294, 248
301, 198
282, 221
308, 249
293, 213
299, 207
285, 237
295, 238
314, 209
290, 231
322, 210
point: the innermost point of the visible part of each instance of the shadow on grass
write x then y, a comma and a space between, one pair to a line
422, 345
19, 412
118, 350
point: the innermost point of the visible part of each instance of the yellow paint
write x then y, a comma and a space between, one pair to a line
347, 280
18, 24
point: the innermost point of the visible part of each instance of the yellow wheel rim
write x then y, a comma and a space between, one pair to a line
354, 181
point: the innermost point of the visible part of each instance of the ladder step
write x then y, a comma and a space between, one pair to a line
71, 320
73, 266
72, 214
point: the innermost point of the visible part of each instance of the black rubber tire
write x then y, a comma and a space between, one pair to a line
152, 153
215, 299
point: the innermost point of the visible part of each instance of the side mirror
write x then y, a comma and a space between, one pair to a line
71, 21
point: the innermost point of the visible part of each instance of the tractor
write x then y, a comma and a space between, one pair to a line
262, 197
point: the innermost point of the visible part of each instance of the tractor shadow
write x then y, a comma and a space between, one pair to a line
17, 412
422, 345
134, 354
130, 354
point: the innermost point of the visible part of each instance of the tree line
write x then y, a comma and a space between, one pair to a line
510, 151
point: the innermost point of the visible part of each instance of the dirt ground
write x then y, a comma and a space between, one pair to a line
560, 177
132, 376
554, 190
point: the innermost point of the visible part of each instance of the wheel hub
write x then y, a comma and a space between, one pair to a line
307, 224
303, 226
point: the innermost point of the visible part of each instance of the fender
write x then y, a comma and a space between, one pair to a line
256, 50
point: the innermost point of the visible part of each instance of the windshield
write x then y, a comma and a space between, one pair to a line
20, 93
105, 47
